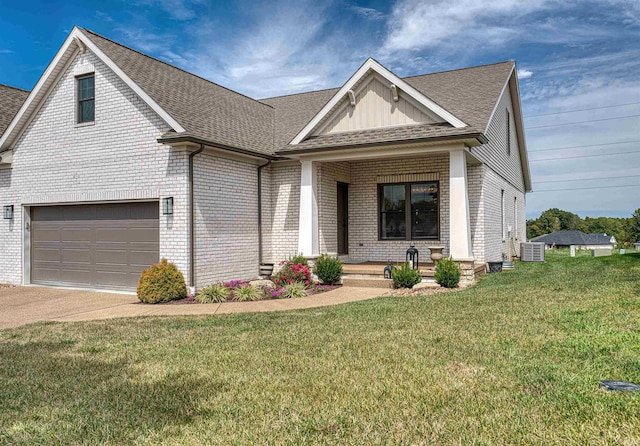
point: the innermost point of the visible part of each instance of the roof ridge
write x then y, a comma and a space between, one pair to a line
15, 88
403, 78
462, 68
173, 66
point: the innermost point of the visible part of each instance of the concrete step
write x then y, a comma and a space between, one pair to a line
376, 270
367, 282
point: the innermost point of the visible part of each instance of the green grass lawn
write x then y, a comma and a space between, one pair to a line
514, 360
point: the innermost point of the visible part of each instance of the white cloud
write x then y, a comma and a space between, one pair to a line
524, 74
416, 24
368, 13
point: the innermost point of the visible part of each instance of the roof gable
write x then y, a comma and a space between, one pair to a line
75, 42
375, 104
371, 66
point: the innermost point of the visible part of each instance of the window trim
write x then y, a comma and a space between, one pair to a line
79, 101
407, 212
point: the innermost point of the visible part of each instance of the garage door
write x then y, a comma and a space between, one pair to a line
93, 246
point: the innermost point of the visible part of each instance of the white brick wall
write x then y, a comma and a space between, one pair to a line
285, 205
118, 158
226, 217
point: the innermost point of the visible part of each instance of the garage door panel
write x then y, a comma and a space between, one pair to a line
82, 256
98, 246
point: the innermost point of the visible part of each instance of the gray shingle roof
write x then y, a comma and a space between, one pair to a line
212, 113
567, 238
11, 99
206, 110
470, 94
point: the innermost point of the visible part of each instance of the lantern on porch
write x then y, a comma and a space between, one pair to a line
413, 256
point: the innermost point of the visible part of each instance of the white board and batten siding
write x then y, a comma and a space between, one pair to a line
376, 108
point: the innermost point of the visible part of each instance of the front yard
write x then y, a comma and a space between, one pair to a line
514, 360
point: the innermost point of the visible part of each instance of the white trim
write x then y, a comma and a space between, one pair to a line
371, 64
6, 157
49, 72
385, 152
308, 233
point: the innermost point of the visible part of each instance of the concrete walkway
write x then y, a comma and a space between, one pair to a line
25, 305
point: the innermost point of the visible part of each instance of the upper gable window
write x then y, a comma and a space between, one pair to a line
86, 98
508, 133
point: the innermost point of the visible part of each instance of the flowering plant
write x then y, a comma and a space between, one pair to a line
235, 284
292, 272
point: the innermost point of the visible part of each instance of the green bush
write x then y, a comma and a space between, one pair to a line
246, 293
328, 269
295, 289
300, 259
213, 294
161, 282
405, 276
447, 273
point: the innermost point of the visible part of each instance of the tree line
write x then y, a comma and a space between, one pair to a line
625, 230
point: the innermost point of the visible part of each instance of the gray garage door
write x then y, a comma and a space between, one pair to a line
93, 246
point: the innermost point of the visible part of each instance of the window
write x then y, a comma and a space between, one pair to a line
515, 217
86, 99
409, 211
508, 133
502, 213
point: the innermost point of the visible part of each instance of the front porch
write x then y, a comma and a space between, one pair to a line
367, 207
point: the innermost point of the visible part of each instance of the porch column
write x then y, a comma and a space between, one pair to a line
459, 223
308, 236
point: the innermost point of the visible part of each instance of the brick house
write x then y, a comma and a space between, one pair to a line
116, 159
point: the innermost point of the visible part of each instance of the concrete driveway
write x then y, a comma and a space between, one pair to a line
24, 305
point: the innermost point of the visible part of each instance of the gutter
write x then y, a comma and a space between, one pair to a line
260, 167
173, 140
192, 255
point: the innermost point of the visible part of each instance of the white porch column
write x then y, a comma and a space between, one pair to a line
308, 235
459, 223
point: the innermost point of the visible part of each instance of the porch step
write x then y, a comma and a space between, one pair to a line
367, 282
370, 269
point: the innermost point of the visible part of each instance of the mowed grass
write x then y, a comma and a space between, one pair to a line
514, 360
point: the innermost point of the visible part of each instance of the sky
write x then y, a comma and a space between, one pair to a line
578, 64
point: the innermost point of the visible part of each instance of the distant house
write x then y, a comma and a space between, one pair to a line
564, 239
637, 245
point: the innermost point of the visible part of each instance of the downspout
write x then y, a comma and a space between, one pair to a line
192, 213
260, 167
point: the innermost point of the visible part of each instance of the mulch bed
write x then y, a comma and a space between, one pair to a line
192, 300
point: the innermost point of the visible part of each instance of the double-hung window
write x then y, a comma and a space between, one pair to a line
409, 211
86, 98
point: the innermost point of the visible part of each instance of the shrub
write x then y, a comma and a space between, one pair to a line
292, 272
213, 294
405, 276
447, 273
328, 269
247, 292
300, 259
161, 282
295, 289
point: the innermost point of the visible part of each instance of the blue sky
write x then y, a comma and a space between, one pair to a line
578, 61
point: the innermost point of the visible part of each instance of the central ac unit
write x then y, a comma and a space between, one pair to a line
532, 252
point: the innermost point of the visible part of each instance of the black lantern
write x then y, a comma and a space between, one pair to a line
8, 212
167, 206
412, 257
388, 271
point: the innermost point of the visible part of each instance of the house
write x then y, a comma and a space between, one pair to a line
116, 159
564, 239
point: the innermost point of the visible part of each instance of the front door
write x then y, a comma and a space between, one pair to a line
343, 218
